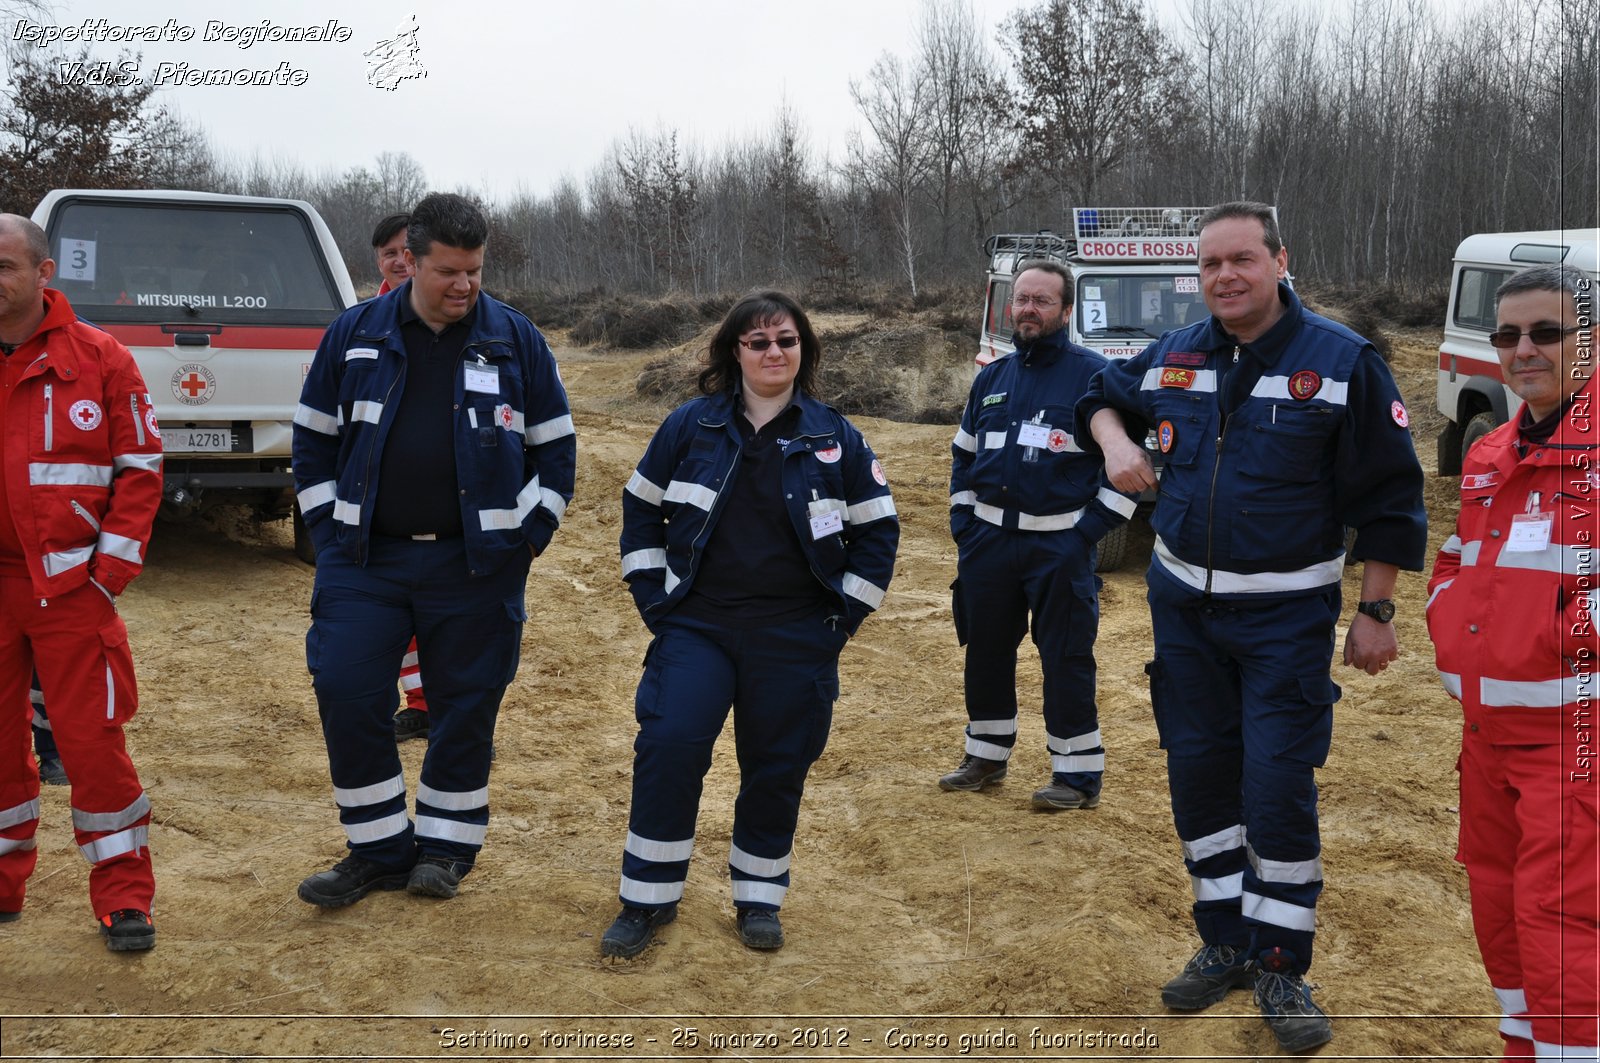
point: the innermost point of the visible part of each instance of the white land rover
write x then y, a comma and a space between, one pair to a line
222, 299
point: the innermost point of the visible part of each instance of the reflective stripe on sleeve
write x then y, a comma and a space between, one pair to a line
697, 495
1120, 504
316, 495
994, 440
67, 560
528, 498
964, 440
862, 591
963, 498
870, 510
546, 431
1436, 591
347, 513
121, 547
641, 560
315, 420
140, 462
367, 410
1452, 684
639, 487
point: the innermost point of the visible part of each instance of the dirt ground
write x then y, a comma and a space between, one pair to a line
921, 924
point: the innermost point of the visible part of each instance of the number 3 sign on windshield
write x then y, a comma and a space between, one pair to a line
77, 260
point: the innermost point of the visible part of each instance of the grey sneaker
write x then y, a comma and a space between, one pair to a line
1058, 795
973, 774
1286, 1004
1207, 977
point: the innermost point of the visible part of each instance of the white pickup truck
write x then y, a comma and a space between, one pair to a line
222, 299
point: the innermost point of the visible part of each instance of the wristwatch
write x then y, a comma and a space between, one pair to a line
1381, 610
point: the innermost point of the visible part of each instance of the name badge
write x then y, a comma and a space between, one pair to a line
1530, 532
825, 524
1033, 435
484, 379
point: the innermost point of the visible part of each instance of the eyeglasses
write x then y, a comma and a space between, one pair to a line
1544, 335
1043, 302
787, 343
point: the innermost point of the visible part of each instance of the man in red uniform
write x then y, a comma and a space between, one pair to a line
80, 481
1512, 611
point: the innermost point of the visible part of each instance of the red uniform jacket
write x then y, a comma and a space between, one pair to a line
82, 456
1511, 604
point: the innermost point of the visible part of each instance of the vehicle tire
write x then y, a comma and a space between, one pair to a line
1450, 449
1480, 425
303, 549
1113, 549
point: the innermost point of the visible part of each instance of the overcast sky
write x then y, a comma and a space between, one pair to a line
515, 95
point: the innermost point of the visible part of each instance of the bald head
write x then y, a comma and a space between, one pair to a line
33, 238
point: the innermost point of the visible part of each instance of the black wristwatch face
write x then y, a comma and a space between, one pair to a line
1381, 610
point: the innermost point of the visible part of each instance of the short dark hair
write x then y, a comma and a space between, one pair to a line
1246, 208
1556, 277
32, 235
756, 310
446, 218
388, 227
1049, 265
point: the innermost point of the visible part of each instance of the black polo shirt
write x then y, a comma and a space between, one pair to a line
753, 572
418, 492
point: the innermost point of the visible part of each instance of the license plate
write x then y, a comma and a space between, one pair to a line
206, 439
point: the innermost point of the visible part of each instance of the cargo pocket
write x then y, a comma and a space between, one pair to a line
647, 699
822, 716
1162, 702
517, 613
1570, 887
959, 612
1296, 730
122, 692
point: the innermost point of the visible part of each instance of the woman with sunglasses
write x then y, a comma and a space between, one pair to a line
757, 533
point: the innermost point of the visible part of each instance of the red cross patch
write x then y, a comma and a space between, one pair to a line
502, 413
85, 414
1397, 410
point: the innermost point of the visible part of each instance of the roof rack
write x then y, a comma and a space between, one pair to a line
1006, 250
1091, 222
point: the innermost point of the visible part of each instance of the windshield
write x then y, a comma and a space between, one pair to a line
143, 261
1112, 305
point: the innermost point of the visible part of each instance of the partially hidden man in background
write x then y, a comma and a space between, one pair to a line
1027, 506
1512, 610
434, 457
80, 482
1280, 429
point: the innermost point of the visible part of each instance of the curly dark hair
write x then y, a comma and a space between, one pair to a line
756, 310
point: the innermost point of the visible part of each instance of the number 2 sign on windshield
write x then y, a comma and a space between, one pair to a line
1094, 315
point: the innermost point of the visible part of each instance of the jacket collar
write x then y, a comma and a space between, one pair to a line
1270, 345
815, 416
62, 357
1045, 350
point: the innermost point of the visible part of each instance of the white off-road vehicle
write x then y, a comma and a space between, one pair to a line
1135, 277
222, 299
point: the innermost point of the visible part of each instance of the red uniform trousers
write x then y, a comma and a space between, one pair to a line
79, 645
1531, 845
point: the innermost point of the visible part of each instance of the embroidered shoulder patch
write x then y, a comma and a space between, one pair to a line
1177, 378
1184, 358
1304, 384
990, 400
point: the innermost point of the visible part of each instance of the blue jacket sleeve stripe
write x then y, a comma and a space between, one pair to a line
315, 495
553, 429
871, 510
644, 490
696, 495
640, 560
325, 423
966, 441
862, 591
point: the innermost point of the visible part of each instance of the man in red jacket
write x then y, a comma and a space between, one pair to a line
80, 482
1512, 610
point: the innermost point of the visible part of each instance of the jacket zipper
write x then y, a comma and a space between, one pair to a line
1216, 468
366, 483
49, 417
138, 422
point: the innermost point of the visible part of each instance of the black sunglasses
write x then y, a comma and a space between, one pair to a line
787, 343
1544, 335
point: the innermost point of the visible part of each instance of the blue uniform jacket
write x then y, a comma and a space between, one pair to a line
1254, 504
675, 496
515, 447
1066, 486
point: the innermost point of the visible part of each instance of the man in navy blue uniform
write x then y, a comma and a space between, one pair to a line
1279, 428
1027, 506
433, 460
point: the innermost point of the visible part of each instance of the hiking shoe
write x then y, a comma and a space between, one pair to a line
759, 928
52, 772
1207, 977
1059, 795
1286, 1004
633, 929
973, 774
128, 930
409, 723
435, 876
350, 880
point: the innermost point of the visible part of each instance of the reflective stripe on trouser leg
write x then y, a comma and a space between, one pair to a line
682, 702
788, 680
996, 618
469, 638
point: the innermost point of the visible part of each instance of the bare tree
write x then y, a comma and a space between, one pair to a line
893, 100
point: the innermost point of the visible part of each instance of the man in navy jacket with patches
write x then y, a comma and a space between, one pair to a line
1027, 506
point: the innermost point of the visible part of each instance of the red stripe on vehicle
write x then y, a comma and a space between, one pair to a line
1470, 366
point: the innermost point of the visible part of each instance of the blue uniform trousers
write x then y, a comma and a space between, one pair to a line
1002, 577
781, 682
469, 635
1244, 708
